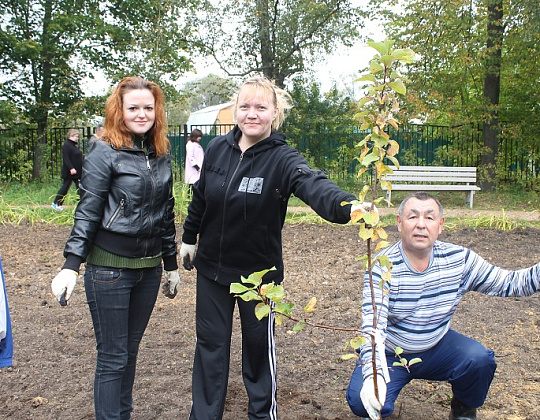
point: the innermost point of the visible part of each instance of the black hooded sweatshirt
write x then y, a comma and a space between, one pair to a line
240, 203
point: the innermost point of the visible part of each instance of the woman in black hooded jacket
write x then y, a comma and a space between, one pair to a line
237, 212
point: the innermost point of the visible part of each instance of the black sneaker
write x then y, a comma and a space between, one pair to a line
460, 411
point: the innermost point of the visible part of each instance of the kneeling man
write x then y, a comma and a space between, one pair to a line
414, 310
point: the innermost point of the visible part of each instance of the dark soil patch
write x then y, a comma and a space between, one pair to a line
55, 349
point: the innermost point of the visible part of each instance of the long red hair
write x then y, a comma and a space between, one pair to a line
116, 131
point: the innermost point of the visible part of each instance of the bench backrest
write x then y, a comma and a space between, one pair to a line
433, 174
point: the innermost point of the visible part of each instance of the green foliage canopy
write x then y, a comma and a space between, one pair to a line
48, 47
276, 38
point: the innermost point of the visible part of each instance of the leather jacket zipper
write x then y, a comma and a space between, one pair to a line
115, 214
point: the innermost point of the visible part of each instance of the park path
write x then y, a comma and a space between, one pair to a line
514, 215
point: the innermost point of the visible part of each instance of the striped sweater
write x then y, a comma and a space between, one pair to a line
417, 307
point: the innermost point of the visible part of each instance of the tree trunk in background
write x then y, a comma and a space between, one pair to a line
492, 87
267, 57
43, 93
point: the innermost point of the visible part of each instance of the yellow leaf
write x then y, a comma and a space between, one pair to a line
381, 245
364, 232
395, 106
382, 233
393, 148
372, 218
357, 215
310, 307
357, 342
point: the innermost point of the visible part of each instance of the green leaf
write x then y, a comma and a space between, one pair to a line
405, 55
387, 60
398, 86
299, 327
371, 218
375, 67
365, 233
349, 356
361, 103
237, 288
369, 159
256, 278
415, 361
276, 293
382, 47
249, 296
284, 308
262, 310
394, 160
398, 351
358, 342
366, 78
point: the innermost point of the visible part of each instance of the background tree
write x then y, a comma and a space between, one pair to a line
278, 38
48, 47
324, 119
476, 66
209, 90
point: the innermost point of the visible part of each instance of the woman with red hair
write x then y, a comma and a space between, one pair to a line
124, 230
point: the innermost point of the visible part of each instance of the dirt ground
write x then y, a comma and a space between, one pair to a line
55, 349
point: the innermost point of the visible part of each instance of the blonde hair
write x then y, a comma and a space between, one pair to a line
116, 131
258, 85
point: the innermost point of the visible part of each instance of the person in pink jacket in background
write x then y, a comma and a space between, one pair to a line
194, 158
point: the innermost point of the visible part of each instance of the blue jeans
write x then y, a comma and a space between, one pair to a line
460, 360
121, 302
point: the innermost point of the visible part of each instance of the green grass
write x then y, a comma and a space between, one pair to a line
499, 200
30, 203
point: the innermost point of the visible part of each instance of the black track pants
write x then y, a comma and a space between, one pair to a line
214, 317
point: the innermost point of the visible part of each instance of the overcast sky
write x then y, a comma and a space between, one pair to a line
341, 67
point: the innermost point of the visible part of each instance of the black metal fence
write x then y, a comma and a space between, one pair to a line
419, 145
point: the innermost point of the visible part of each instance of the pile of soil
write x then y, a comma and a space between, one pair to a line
55, 348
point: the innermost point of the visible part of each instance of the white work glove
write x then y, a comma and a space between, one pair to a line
63, 284
171, 284
363, 211
187, 254
367, 395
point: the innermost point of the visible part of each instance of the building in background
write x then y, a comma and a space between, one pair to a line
205, 118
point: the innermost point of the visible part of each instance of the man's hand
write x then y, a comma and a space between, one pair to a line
73, 171
364, 211
63, 284
367, 395
171, 284
187, 254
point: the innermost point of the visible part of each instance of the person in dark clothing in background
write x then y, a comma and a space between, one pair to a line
238, 210
71, 167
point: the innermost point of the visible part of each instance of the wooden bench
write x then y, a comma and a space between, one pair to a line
433, 178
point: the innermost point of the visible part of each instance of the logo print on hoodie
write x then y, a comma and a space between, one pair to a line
251, 185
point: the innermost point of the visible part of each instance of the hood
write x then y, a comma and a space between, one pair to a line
276, 139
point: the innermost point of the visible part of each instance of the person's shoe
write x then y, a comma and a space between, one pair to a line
57, 207
460, 411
